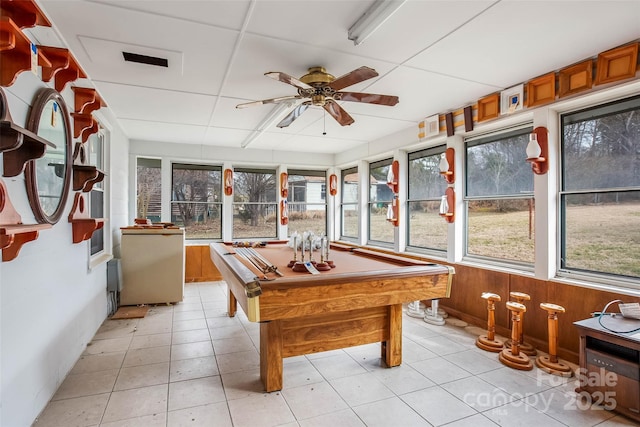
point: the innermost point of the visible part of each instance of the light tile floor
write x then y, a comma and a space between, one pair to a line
191, 365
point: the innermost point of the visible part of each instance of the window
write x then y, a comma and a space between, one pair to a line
196, 200
349, 213
426, 228
255, 210
96, 197
307, 201
148, 196
600, 190
499, 197
380, 197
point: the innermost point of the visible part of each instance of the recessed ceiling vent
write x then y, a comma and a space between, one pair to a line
144, 59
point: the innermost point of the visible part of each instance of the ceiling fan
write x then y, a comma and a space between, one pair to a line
321, 89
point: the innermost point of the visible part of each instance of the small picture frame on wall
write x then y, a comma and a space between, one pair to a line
432, 126
511, 99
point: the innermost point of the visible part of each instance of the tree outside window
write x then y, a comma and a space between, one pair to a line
255, 208
426, 228
499, 197
196, 200
600, 190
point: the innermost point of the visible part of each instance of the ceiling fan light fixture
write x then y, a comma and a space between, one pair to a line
317, 76
372, 19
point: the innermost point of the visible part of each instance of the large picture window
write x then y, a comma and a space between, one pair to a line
380, 197
426, 228
349, 212
255, 209
196, 200
499, 197
307, 201
600, 189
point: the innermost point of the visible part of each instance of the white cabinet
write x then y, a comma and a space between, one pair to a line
152, 265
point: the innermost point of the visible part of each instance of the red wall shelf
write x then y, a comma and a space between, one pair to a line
13, 233
82, 224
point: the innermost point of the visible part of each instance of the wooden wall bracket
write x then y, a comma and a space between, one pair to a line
25, 14
82, 224
450, 194
449, 175
13, 233
84, 125
392, 176
15, 52
64, 68
17, 144
85, 177
540, 164
87, 100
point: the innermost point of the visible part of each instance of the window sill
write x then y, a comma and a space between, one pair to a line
612, 285
99, 259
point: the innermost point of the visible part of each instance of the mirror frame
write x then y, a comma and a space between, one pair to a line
33, 122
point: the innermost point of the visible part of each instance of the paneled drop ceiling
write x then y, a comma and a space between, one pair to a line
435, 55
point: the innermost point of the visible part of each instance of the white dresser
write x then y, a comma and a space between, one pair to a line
152, 265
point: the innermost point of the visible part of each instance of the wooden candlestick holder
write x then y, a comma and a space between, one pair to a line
513, 357
551, 364
525, 347
488, 342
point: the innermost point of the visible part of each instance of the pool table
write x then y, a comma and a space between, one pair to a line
357, 302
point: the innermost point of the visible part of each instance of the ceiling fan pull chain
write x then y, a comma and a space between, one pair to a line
324, 122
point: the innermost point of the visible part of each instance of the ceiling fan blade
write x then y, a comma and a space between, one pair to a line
286, 78
294, 114
370, 98
268, 101
338, 113
356, 76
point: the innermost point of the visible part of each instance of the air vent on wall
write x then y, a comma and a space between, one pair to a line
144, 59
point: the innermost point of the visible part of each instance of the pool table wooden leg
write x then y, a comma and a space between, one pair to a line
271, 355
392, 348
233, 304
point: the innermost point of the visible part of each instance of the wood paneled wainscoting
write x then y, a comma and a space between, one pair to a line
198, 265
470, 282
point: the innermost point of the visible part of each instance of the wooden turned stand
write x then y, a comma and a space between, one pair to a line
550, 363
488, 342
525, 347
513, 357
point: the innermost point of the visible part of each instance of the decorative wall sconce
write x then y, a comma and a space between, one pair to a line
392, 176
228, 182
392, 211
447, 204
284, 213
538, 150
333, 184
446, 165
284, 185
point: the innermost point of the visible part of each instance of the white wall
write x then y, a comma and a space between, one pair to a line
51, 303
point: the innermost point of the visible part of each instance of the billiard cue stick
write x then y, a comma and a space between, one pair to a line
240, 251
269, 266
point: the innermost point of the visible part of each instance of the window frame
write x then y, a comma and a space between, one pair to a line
172, 201
276, 207
374, 165
436, 150
356, 203
518, 129
291, 204
104, 254
584, 113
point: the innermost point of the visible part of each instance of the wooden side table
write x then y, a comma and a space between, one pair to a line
610, 363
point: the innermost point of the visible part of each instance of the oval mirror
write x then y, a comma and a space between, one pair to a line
48, 178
